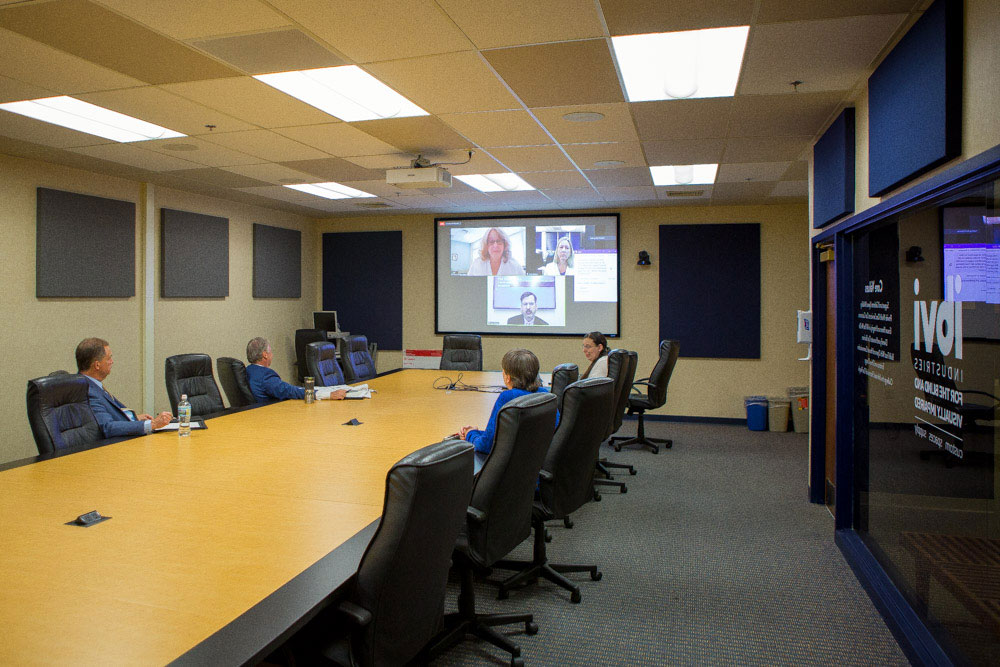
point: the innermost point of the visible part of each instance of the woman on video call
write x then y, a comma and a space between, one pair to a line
493, 257
562, 263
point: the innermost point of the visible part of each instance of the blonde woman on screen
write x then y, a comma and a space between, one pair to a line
493, 257
562, 263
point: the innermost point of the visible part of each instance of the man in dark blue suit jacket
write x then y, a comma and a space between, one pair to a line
265, 383
94, 361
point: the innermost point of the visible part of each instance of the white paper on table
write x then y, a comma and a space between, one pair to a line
357, 391
173, 426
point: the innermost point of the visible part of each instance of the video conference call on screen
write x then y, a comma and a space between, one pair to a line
527, 275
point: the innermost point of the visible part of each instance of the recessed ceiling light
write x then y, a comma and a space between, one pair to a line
583, 116
495, 182
179, 147
329, 190
684, 174
347, 92
681, 65
90, 118
609, 163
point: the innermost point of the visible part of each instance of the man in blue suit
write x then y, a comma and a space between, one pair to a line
94, 361
265, 383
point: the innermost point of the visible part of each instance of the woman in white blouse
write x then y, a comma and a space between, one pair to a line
562, 263
595, 348
493, 256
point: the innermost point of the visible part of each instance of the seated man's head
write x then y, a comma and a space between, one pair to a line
520, 370
259, 352
93, 358
529, 304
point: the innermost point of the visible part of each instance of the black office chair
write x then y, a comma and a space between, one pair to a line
321, 362
462, 352
563, 375
566, 480
499, 515
59, 412
397, 601
656, 395
233, 376
621, 370
302, 338
191, 374
355, 359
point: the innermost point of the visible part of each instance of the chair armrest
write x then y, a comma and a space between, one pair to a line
546, 475
476, 515
645, 382
358, 615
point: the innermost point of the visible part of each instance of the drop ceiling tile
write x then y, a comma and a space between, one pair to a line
555, 180
282, 193
251, 101
155, 105
270, 172
273, 51
31, 62
764, 149
824, 55
634, 17
756, 191
684, 151
631, 193
515, 22
335, 169
419, 199
585, 155
759, 171
550, 75
683, 119
574, 195
619, 178
266, 145
617, 124
23, 128
783, 115
465, 199
111, 40
200, 151
417, 134
446, 83
389, 161
375, 186
481, 163
219, 177
797, 171
519, 197
191, 19
368, 32
772, 11
498, 128
340, 139
797, 189
12, 90
133, 156
532, 158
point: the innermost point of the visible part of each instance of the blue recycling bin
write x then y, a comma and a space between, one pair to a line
756, 412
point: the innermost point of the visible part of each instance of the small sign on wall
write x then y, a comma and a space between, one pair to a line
422, 359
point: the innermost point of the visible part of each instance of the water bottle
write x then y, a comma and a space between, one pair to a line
184, 417
309, 385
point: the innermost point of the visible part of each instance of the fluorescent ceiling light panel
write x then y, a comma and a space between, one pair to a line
347, 92
90, 118
681, 65
330, 190
684, 174
495, 182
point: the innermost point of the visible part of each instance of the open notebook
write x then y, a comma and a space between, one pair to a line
357, 391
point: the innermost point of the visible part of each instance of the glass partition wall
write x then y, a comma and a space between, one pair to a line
925, 308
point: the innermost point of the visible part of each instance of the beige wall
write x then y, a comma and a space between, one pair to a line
41, 334
699, 387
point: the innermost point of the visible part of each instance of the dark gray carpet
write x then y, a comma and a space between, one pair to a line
714, 556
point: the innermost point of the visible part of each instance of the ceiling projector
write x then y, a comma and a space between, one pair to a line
419, 177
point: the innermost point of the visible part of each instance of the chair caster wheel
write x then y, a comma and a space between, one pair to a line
596, 576
597, 497
624, 489
656, 451
670, 444
517, 662
503, 594
575, 597
632, 471
618, 448
567, 522
531, 628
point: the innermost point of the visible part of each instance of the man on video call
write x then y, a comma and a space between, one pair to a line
529, 304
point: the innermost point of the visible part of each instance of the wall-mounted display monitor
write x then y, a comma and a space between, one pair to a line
326, 320
557, 274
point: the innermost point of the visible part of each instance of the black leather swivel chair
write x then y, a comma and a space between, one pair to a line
233, 376
656, 395
191, 374
462, 352
59, 412
499, 515
302, 338
566, 480
621, 371
355, 359
397, 601
563, 375
321, 362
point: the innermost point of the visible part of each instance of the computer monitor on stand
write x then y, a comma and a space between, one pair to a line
326, 320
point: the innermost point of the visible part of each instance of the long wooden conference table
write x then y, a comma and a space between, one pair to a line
220, 545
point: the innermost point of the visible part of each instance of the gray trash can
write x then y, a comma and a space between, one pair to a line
799, 398
777, 414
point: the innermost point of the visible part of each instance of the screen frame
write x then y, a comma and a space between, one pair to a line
522, 216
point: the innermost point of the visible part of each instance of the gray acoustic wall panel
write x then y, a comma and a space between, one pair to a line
194, 252
277, 262
85, 246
